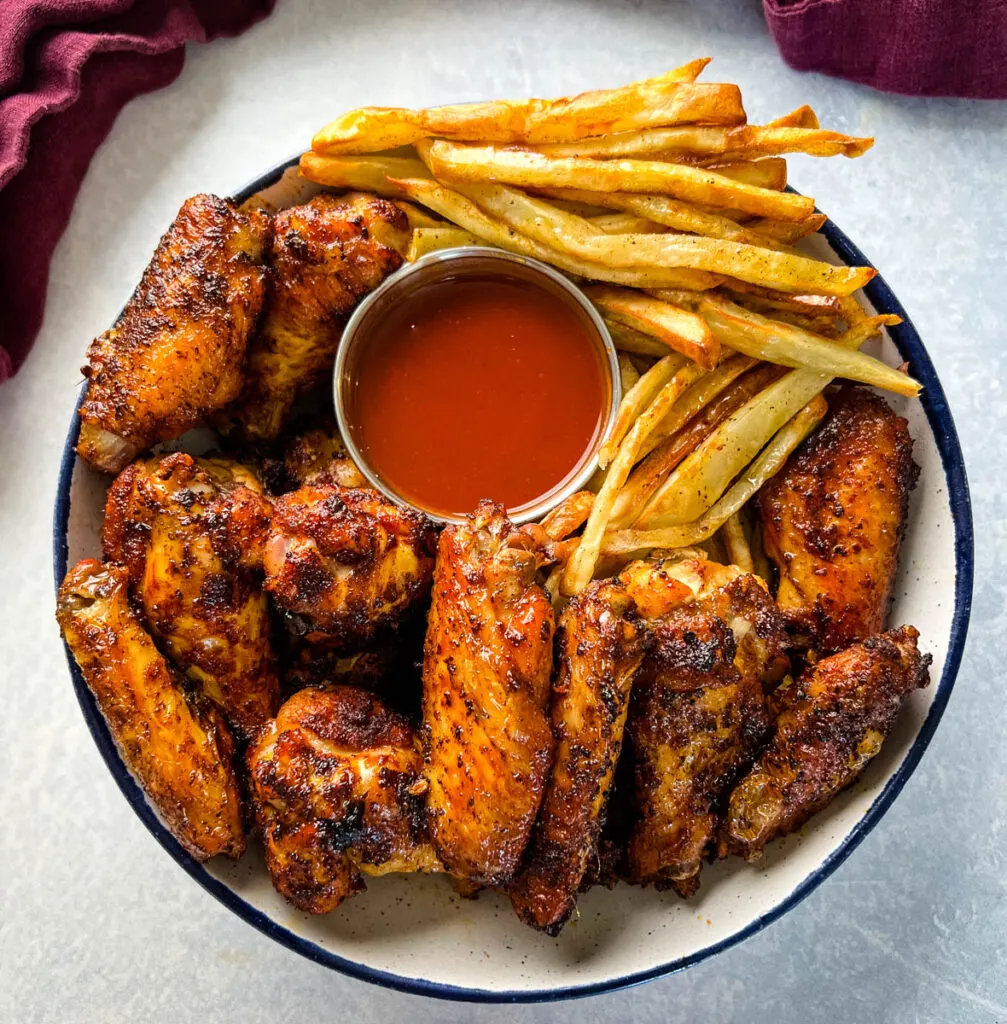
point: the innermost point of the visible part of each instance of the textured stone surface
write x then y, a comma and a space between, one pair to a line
98, 924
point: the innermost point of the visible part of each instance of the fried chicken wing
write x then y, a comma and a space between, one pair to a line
338, 790
325, 256
189, 530
177, 745
344, 563
833, 520
177, 352
486, 667
698, 716
832, 721
318, 455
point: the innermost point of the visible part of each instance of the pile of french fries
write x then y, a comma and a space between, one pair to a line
672, 212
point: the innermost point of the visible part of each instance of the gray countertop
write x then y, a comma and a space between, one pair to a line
98, 924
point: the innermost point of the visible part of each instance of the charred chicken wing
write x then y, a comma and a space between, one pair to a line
176, 744
189, 530
698, 716
318, 455
177, 352
833, 520
337, 787
487, 662
325, 256
832, 721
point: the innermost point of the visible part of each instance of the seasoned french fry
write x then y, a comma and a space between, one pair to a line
671, 98
628, 340
463, 212
569, 515
679, 329
756, 336
784, 232
418, 217
769, 462
733, 535
760, 560
431, 239
626, 224
802, 117
628, 373
767, 173
370, 173
459, 164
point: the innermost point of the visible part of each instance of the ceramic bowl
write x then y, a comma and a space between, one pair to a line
415, 934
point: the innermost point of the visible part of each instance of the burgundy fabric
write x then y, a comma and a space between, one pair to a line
919, 47
67, 67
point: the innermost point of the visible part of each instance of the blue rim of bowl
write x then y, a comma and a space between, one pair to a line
941, 423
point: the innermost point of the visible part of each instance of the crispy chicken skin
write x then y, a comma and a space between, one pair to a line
337, 788
698, 717
189, 530
344, 563
832, 721
319, 456
486, 667
834, 517
178, 351
325, 256
177, 745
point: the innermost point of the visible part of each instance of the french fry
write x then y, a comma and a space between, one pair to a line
767, 173
628, 373
580, 567
784, 232
760, 560
460, 164
626, 224
569, 515
432, 239
671, 98
463, 212
802, 117
628, 340
733, 535
761, 338
769, 462
418, 217
370, 173
679, 329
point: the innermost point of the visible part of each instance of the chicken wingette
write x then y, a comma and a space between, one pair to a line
344, 564
834, 517
318, 455
832, 721
698, 716
177, 352
177, 744
325, 256
191, 531
337, 788
486, 668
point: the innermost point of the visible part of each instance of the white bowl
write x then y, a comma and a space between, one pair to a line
414, 934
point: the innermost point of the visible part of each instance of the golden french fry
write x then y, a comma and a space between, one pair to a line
628, 340
628, 373
418, 217
768, 464
626, 224
802, 117
783, 232
370, 173
569, 515
455, 163
432, 239
733, 535
679, 329
769, 300
767, 173
671, 98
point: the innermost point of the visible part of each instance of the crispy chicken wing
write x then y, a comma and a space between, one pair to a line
189, 530
698, 716
177, 352
345, 563
337, 786
833, 720
325, 256
833, 520
487, 662
178, 745
318, 455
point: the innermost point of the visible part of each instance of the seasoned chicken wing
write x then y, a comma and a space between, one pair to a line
486, 667
833, 520
832, 721
177, 745
190, 530
177, 352
325, 256
344, 563
698, 716
318, 455
338, 791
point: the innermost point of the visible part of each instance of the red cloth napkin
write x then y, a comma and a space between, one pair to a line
67, 67
919, 47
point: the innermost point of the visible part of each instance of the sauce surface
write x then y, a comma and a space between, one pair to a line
478, 388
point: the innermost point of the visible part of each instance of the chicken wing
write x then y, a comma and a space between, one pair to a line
318, 455
325, 256
177, 352
834, 517
189, 530
833, 720
177, 745
486, 667
344, 563
698, 717
337, 787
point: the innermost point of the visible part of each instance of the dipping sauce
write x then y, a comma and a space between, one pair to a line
478, 387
